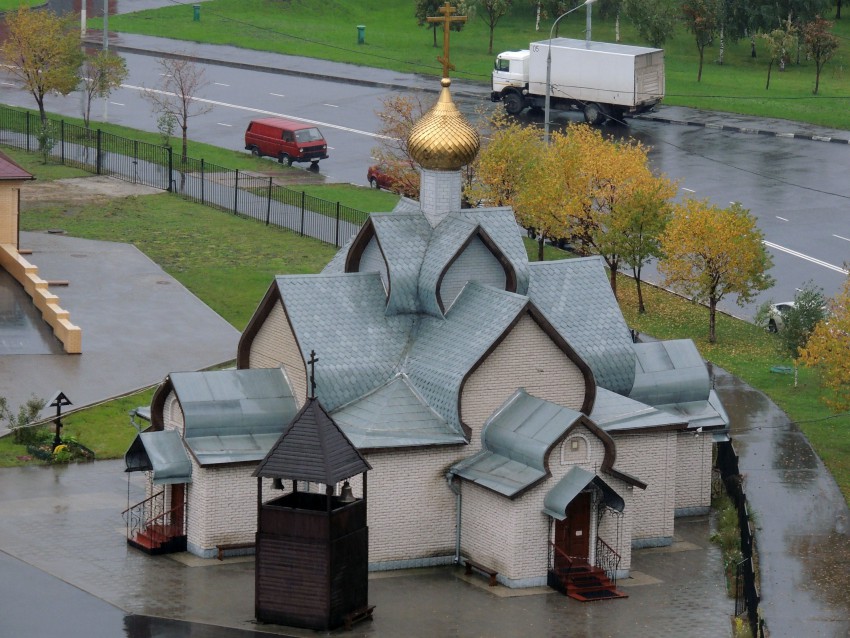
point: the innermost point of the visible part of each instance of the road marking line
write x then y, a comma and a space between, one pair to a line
782, 218
7, 84
333, 106
263, 112
688, 190
806, 257
117, 103
277, 94
840, 237
220, 84
223, 124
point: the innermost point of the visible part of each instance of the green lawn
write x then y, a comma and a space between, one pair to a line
328, 30
11, 5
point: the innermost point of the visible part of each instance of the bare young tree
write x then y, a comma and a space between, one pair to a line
182, 80
102, 74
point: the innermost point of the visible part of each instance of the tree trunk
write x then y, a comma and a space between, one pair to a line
490, 50
537, 18
434, 31
185, 151
722, 46
769, 67
712, 313
817, 79
838, 9
617, 27
699, 73
540, 241
795, 373
641, 307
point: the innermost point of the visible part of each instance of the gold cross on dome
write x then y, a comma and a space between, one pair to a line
447, 10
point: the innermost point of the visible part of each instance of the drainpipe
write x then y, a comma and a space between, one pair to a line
455, 488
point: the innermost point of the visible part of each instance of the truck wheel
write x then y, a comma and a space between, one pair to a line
513, 104
593, 113
284, 158
255, 151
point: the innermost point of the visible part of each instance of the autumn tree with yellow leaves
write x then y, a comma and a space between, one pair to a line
828, 348
711, 252
42, 51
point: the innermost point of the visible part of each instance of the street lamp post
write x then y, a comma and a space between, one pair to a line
587, 4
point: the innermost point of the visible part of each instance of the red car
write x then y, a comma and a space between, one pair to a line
380, 176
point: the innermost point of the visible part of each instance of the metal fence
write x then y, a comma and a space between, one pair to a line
226, 189
747, 597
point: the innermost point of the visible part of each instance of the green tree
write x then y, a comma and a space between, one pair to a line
702, 19
712, 252
43, 52
102, 73
827, 350
424, 9
820, 45
779, 44
655, 20
491, 11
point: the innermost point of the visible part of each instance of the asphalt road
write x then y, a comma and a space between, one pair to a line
796, 188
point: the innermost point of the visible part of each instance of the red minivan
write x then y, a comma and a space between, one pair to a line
287, 140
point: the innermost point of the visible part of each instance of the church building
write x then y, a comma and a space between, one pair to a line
508, 416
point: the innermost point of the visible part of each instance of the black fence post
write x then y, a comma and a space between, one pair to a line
203, 180
303, 197
62, 141
98, 158
170, 169
236, 191
336, 238
269, 202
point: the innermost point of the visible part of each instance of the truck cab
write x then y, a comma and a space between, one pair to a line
510, 71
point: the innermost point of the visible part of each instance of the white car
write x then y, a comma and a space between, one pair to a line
775, 320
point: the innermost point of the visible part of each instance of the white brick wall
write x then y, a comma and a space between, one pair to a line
275, 345
475, 263
411, 509
693, 471
651, 457
526, 358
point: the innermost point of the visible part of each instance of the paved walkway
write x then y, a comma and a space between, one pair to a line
64, 521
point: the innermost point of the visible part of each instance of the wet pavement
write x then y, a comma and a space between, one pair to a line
138, 323
64, 522
800, 515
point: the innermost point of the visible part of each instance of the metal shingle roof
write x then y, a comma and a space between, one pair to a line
394, 415
515, 442
576, 298
342, 318
669, 372
444, 350
500, 224
446, 240
404, 240
614, 412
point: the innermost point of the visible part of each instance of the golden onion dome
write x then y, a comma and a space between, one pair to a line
442, 139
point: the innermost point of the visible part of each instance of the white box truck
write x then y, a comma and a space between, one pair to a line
601, 79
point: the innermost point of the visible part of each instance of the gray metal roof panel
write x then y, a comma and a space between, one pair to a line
445, 350
233, 402
576, 297
669, 372
525, 428
699, 414
404, 240
614, 412
217, 450
394, 415
161, 452
342, 318
498, 473
564, 491
500, 224
446, 240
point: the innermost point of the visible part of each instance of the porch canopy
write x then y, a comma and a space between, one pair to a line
161, 453
574, 482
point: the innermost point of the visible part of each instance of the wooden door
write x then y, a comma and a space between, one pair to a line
572, 535
178, 502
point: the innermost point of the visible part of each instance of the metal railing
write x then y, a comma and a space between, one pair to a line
137, 516
608, 560
226, 189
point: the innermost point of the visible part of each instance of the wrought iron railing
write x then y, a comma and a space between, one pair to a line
607, 559
137, 516
561, 562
